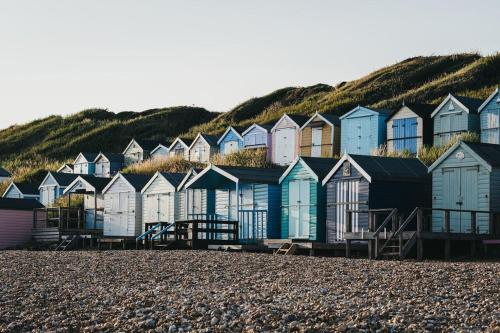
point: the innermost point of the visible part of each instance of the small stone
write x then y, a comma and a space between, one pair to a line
214, 321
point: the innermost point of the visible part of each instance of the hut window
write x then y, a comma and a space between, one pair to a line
346, 169
451, 107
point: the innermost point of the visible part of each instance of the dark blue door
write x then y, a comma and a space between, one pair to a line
405, 134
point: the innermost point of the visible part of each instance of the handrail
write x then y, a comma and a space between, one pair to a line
406, 222
150, 231
386, 221
164, 230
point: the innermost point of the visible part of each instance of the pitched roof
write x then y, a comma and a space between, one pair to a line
487, 151
64, 179
175, 178
424, 111
210, 139
391, 168
137, 181
19, 204
488, 100
234, 129
320, 165
298, 119
69, 165
254, 175
89, 156
27, 188
112, 157
334, 119
147, 144
472, 104
98, 183
386, 112
4, 173
266, 128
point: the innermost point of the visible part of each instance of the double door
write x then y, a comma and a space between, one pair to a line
159, 207
299, 208
460, 191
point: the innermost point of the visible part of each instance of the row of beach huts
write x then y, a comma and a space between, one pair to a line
309, 199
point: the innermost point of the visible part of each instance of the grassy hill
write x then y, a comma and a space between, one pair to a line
419, 79
44, 143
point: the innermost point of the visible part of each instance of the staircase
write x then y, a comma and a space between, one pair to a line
287, 249
160, 240
396, 246
67, 243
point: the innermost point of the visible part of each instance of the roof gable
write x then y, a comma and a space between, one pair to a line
230, 129
330, 119
366, 110
172, 178
317, 166
377, 168
160, 146
258, 127
486, 154
89, 183
423, 111
179, 141
24, 188
489, 99
58, 178
209, 140
296, 120
469, 105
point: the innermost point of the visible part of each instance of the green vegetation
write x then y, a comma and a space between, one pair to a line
45, 143
171, 164
429, 154
249, 157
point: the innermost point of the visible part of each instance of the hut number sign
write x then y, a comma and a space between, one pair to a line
460, 155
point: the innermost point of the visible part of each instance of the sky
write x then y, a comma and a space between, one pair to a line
60, 57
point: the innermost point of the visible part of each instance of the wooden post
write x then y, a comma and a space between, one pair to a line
59, 222
95, 209
400, 239
348, 226
491, 225
420, 242
370, 241
473, 222
447, 242
34, 218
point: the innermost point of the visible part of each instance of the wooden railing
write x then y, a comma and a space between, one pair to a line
62, 218
215, 232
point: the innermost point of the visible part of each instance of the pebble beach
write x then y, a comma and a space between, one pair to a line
209, 291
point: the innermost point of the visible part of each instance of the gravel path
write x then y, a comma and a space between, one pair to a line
186, 291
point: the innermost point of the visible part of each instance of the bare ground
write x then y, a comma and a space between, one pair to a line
188, 291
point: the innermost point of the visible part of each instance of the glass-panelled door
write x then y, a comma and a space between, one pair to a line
316, 136
299, 208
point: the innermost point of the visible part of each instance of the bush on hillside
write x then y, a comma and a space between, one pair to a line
429, 154
170, 164
255, 158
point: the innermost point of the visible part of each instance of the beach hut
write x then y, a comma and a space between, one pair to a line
258, 137
203, 148
66, 168
320, 136
22, 190
180, 148
409, 128
230, 142
360, 182
466, 177
454, 116
286, 138
108, 164
248, 195
363, 130
16, 221
93, 201
138, 150
123, 205
53, 186
4, 175
303, 198
84, 164
161, 151
161, 201
489, 115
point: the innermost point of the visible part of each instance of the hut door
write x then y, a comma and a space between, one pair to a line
285, 145
460, 191
445, 128
316, 134
347, 194
230, 147
299, 194
163, 207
